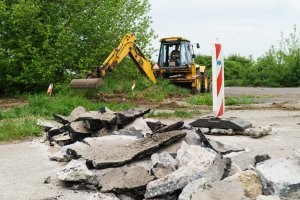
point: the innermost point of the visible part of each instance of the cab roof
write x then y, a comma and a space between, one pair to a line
173, 39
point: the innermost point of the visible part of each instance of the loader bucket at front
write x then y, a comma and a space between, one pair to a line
86, 83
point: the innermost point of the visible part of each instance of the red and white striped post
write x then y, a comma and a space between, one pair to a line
218, 81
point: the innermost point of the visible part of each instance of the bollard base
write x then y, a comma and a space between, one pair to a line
234, 123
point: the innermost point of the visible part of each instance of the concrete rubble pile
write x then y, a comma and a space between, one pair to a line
254, 132
230, 126
121, 155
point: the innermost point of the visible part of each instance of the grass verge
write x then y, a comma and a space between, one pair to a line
206, 99
186, 114
20, 122
18, 129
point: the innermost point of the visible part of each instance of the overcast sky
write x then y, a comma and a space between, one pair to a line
246, 27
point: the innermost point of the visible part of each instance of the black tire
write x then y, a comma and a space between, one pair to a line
204, 82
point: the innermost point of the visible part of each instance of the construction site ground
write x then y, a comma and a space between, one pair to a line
25, 164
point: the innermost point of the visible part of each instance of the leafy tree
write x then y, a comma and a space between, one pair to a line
281, 66
48, 41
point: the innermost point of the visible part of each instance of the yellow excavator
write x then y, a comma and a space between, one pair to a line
175, 62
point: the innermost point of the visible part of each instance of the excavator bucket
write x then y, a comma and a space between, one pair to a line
86, 83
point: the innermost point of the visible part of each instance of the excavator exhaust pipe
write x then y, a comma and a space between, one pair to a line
86, 83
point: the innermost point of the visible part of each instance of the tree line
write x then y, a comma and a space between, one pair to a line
52, 41
278, 67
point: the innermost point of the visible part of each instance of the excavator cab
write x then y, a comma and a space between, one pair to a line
175, 53
179, 67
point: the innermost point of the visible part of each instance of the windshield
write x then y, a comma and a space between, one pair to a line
177, 54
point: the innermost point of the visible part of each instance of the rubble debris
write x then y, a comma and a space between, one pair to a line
61, 119
94, 120
194, 162
154, 126
234, 169
82, 123
174, 181
162, 164
233, 123
194, 155
230, 126
218, 131
250, 181
75, 170
132, 132
66, 153
280, 176
48, 124
115, 152
270, 197
243, 160
72, 117
105, 110
136, 158
79, 110
102, 196
139, 124
124, 197
170, 127
215, 145
220, 190
190, 188
55, 131
244, 185
125, 179
60, 155
164, 159
261, 157
78, 131
126, 117
62, 139
257, 132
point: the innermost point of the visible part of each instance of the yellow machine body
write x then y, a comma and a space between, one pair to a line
180, 73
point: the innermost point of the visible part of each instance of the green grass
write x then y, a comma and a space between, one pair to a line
177, 114
201, 99
20, 122
45, 106
206, 99
120, 81
18, 129
239, 100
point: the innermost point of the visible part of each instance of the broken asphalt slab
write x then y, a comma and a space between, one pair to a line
280, 176
109, 151
244, 185
125, 179
215, 145
233, 123
75, 170
128, 116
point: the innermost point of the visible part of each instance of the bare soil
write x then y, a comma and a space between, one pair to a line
10, 102
25, 166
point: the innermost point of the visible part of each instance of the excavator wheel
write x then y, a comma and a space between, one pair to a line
197, 89
205, 82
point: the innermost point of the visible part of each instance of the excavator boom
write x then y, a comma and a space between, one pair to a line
126, 47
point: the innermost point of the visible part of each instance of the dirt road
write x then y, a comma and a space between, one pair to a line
25, 166
265, 95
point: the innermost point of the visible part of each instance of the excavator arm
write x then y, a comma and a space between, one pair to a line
126, 47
